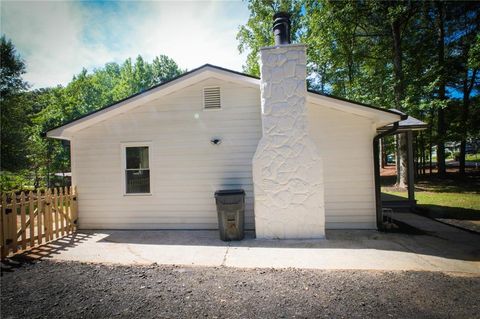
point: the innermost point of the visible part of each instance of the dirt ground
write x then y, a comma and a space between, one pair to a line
75, 290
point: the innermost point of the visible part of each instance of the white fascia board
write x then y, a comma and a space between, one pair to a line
66, 131
379, 117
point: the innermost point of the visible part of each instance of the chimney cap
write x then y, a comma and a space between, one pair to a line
281, 28
282, 14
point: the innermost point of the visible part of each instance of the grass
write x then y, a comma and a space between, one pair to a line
472, 157
448, 205
454, 197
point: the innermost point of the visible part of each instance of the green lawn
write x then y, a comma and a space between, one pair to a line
463, 200
472, 157
448, 205
454, 197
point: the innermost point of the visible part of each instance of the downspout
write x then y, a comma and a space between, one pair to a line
376, 170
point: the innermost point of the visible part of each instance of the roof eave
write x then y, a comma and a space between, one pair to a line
207, 71
381, 117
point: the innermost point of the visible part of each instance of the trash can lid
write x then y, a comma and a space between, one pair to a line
229, 192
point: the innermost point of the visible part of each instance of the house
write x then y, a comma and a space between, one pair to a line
155, 159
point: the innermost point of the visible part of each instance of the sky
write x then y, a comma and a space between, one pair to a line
57, 39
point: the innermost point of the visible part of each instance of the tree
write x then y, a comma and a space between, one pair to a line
13, 110
466, 48
86, 92
256, 33
442, 83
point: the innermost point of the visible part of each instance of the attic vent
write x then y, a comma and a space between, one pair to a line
211, 98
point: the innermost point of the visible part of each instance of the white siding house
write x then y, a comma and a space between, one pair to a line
185, 168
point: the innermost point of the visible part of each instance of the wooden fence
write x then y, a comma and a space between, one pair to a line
28, 220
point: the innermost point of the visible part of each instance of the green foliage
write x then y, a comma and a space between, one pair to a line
256, 33
20, 180
28, 158
13, 108
352, 53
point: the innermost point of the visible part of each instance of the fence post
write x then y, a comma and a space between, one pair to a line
67, 210
74, 207
4, 227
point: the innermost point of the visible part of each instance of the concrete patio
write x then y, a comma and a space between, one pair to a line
344, 249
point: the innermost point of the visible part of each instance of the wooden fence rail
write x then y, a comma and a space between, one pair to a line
28, 220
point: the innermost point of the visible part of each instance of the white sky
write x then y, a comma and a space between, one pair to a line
57, 39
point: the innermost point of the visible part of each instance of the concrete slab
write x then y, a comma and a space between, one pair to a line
434, 228
344, 249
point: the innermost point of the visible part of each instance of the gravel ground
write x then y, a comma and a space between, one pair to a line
75, 290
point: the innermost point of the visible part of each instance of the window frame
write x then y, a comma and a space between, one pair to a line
123, 147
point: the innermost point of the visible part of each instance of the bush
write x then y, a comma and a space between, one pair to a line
16, 181
456, 156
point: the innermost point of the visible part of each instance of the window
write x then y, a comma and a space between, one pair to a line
211, 98
137, 170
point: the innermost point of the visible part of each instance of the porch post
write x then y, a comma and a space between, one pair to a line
410, 167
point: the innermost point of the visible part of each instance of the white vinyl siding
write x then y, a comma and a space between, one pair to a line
345, 141
186, 169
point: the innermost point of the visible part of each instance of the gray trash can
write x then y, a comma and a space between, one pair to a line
231, 213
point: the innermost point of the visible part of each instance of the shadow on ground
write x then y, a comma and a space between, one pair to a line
465, 248
45, 251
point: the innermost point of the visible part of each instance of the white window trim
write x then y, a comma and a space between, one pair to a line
123, 147
206, 109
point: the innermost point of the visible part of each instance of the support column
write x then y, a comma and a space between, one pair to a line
410, 167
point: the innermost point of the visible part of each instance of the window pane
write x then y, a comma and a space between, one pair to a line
137, 157
138, 181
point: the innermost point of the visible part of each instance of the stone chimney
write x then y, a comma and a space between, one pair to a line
287, 167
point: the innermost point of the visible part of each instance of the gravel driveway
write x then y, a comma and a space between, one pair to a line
76, 290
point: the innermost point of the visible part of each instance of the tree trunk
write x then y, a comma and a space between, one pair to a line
399, 92
383, 153
441, 129
467, 89
402, 172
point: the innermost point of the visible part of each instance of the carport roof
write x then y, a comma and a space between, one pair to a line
408, 124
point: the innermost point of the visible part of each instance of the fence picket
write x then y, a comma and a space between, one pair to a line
55, 212
61, 210
39, 217
14, 222
48, 214
4, 227
55, 207
23, 221
31, 214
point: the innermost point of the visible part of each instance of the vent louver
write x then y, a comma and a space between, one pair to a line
211, 98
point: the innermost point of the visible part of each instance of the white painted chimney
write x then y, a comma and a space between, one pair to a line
287, 167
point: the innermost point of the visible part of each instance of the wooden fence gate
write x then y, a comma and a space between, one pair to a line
28, 220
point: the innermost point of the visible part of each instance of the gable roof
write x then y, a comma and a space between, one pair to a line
65, 130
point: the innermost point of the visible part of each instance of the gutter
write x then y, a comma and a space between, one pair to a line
376, 170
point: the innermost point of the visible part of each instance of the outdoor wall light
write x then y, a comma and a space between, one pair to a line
216, 141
